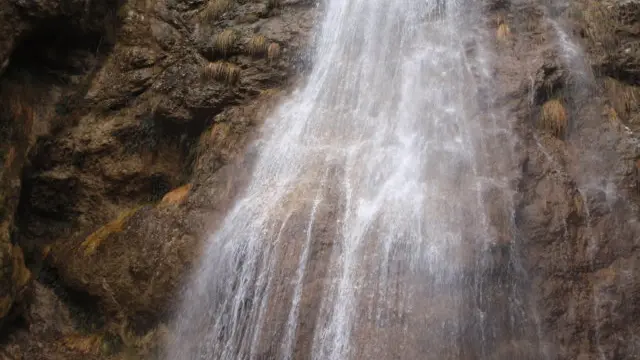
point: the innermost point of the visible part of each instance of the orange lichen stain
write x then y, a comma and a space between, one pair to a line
176, 196
93, 241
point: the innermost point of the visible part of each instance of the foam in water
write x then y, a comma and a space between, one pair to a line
378, 207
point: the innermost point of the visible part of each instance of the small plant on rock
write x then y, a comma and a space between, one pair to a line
223, 42
215, 9
554, 117
257, 45
503, 32
222, 71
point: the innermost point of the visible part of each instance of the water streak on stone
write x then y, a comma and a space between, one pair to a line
378, 222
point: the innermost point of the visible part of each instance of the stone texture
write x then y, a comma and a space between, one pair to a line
105, 110
124, 116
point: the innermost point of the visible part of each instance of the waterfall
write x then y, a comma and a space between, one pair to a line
378, 221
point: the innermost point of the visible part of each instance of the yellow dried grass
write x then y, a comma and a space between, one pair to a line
215, 9
554, 117
222, 71
257, 45
223, 42
503, 32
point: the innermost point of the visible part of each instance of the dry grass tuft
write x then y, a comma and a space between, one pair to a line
624, 98
85, 344
223, 42
273, 51
503, 32
222, 71
176, 196
215, 9
554, 117
93, 241
257, 45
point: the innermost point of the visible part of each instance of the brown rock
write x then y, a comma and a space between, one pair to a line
136, 119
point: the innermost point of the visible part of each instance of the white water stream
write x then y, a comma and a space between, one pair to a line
379, 205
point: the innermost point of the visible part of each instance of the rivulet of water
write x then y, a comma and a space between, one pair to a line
378, 219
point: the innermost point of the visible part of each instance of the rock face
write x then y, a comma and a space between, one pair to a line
14, 276
123, 128
23, 117
109, 107
577, 203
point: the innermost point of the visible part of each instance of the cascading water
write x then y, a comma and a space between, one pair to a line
378, 219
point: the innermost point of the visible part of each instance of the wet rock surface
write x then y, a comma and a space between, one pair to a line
124, 144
